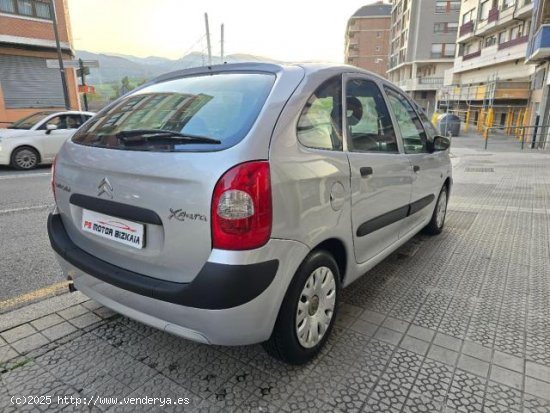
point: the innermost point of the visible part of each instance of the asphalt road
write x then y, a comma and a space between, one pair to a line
27, 262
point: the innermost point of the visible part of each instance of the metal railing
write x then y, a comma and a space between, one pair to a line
530, 136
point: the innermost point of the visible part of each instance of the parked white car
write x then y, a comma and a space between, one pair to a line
37, 138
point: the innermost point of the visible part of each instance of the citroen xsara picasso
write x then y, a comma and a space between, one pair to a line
230, 204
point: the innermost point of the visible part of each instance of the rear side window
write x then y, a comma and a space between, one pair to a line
320, 124
218, 106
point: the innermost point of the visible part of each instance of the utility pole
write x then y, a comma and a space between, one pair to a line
83, 79
208, 39
221, 54
60, 58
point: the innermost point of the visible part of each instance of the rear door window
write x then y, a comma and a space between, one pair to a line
369, 126
218, 106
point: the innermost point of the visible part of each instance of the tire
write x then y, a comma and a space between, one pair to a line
25, 158
318, 276
436, 224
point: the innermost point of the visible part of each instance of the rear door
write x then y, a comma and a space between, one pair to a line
427, 167
380, 172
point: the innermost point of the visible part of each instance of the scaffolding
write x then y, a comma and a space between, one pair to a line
476, 108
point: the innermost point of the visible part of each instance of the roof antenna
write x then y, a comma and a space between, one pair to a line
208, 39
222, 40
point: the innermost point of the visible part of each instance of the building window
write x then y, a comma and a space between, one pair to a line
484, 9
40, 9
445, 28
468, 16
446, 6
378, 34
7, 6
440, 50
490, 41
507, 3
454, 5
377, 48
515, 32
502, 37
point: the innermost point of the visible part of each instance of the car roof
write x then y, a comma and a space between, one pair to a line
72, 112
308, 68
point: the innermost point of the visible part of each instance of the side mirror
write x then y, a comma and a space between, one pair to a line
50, 127
441, 143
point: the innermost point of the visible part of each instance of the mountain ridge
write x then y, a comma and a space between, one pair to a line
115, 66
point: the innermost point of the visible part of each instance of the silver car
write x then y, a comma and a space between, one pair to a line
231, 204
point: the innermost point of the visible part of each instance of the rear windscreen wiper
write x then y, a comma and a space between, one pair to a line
148, 135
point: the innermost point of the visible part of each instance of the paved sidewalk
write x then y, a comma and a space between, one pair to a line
458, 322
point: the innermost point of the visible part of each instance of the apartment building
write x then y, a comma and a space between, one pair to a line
423, 42
27, 40
368, 38
538, 55
489, 69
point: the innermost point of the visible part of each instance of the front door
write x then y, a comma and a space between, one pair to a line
380, 173
54, 139
427, 167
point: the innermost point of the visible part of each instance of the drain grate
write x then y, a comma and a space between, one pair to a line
480, 170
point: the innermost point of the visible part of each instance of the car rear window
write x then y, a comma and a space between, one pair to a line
222, 107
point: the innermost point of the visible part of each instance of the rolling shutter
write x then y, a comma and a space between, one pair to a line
28, 83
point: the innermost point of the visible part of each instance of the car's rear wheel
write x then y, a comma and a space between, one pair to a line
436, 224
24, 158
308, 310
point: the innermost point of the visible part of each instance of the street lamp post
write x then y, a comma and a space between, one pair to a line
60, 58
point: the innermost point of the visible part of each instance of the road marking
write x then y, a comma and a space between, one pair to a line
49, 291
33, 208
25, 175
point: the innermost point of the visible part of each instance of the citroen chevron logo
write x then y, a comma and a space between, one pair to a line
105, 188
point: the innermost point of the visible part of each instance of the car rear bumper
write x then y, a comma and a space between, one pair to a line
234, 300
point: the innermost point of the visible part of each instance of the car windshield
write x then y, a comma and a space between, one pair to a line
30, 121
218, 108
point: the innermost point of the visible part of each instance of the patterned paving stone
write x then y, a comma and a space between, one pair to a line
454, 323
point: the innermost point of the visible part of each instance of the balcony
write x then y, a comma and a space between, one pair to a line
514, 42
466, 28
498, 19
491, 55
493, 15
525, 9
471, 55
421, 83
539, 46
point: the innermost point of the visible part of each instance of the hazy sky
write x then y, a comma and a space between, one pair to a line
290, 30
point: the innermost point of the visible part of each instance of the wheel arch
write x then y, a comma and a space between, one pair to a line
448, 183
337, 249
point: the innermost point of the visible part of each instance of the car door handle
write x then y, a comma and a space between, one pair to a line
366, 171
416, 168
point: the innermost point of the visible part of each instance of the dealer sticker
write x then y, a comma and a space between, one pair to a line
115, 229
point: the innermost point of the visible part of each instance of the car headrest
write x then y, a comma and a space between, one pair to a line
354, 110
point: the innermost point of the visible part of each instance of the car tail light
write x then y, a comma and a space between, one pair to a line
241, 207
52, 179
